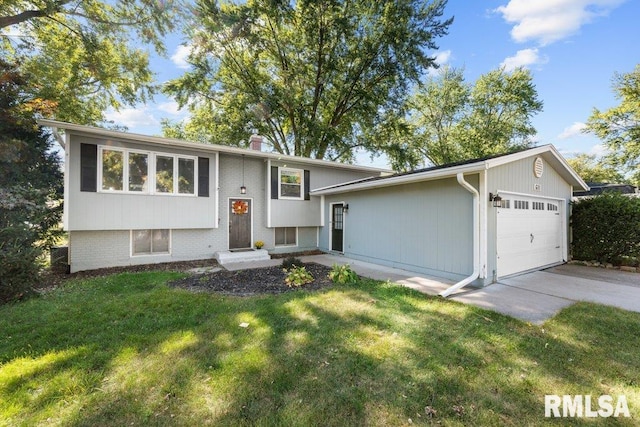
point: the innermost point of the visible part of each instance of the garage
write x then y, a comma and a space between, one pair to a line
473, 222
529, 233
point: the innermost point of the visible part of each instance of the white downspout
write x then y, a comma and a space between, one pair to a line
476, 239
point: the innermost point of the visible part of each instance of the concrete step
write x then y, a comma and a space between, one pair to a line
249, 255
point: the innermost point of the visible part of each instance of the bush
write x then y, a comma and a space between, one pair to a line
298, 276
19, 267
343, 275
291, 262
606, 228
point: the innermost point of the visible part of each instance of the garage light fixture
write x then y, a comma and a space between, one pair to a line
496, 199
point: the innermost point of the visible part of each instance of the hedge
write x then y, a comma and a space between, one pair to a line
606, 228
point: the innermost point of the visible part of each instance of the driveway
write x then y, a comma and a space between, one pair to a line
537, 296
532, 297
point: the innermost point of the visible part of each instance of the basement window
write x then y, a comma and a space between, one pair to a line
150, 242
286, 236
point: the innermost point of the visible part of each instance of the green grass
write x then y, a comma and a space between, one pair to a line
128, 350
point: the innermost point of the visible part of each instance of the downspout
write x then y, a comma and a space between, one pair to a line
476, 238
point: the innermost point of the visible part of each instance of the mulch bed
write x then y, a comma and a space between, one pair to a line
257, 281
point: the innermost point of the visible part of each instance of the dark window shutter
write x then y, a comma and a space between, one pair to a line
88, 167
274, 182
307, 185
203, 177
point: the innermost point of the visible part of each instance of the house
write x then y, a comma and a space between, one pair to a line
597, 188
473, 222
134, 199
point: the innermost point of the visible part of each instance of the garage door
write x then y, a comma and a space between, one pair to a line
529, 234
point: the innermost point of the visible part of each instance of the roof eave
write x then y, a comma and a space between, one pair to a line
94, 131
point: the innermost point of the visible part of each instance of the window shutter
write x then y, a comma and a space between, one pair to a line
274, 182
88, 167
203, 177
307, 185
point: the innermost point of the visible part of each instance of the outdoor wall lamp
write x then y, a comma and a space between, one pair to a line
243, 189
496, 199
345, 208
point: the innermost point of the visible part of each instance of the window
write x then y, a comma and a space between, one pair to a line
521, 204
505, 203
291, 183
186, 174
150, 242
286, 236
147, 172
552, 207
138, 171
164, 174
537, 206
112, 169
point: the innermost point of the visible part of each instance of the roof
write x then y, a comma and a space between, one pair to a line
548, 152
172, 142
596, 188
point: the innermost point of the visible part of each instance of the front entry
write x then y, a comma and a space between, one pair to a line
337, 227
240, 223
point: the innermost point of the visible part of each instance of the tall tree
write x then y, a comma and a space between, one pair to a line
30, 185
314, 76
455, 121
619, 127
84, 55
592, 170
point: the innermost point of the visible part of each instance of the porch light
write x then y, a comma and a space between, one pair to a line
496, 199
243, 189
345, 208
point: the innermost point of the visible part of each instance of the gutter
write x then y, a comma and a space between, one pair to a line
476, 238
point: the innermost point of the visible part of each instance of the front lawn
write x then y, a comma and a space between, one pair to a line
129, 350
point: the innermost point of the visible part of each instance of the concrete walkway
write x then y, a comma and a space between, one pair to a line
532, 297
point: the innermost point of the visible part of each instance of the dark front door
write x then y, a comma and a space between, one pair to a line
239, 223
337, 227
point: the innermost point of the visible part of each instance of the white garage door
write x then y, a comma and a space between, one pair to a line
530, 234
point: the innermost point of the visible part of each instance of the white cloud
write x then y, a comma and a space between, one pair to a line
574, 130
131, 117
180, 56
598, 150
547, 21
170, 107
442, 59
523, 58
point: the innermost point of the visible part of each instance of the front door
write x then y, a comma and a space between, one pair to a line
337, 227
239, 223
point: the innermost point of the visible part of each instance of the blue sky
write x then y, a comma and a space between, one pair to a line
572, 47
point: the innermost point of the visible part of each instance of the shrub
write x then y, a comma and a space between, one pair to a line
290, 262
343, 275
298, 276
606, 228
19, 267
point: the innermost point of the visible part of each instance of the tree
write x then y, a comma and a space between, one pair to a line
314, 77
619, 127
30, 185
454, 121
592, 170
83, 55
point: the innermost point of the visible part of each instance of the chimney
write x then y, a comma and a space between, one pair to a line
255, 142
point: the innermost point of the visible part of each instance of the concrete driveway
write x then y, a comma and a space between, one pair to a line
532, 297
537, 296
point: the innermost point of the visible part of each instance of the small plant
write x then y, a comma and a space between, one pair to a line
297, 276
343, 274
290, 262
259, 244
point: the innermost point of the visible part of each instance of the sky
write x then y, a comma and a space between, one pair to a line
573, 48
